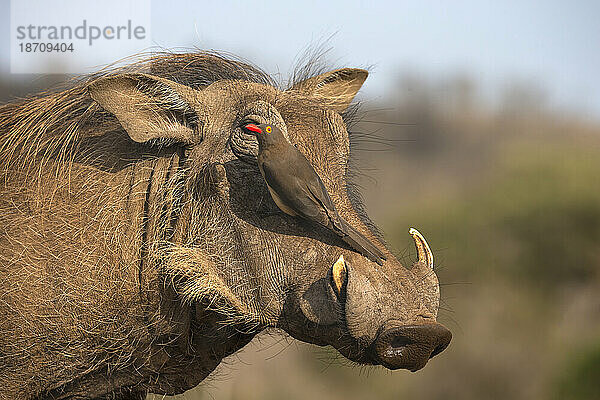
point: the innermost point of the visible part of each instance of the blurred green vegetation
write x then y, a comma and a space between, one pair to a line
535, 217
580, 379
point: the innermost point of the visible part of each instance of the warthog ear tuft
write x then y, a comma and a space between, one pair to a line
197, 279
337, 88
149, 107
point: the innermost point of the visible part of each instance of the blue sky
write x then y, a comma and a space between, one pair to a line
555, 45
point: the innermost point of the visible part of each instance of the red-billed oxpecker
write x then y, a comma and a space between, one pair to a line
297, 189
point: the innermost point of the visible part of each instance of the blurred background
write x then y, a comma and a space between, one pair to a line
480, 127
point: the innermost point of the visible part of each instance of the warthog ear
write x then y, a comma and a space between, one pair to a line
337, 88
149, 107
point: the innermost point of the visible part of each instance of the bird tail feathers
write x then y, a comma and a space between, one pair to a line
360, 243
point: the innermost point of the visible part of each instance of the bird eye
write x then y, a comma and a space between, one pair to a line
268, 129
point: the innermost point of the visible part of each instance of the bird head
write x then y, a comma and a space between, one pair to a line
266, 134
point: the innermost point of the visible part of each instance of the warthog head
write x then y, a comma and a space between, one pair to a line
211, 235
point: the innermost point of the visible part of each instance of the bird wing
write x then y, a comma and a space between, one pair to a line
292, 190
318, 192
354, 238
299, 187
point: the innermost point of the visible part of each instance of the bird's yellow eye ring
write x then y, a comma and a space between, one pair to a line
268, 129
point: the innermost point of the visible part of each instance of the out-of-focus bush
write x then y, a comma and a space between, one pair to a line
579, 378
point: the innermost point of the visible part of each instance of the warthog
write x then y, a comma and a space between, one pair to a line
139, 245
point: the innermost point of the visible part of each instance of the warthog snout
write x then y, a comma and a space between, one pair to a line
410, 347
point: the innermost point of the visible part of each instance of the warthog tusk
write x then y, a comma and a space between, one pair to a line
423, 250
338, 273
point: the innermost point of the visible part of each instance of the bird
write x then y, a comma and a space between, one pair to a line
297, 189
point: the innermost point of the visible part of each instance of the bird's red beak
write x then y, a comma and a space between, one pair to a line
253, 128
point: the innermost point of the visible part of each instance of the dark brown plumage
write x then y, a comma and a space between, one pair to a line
298, 190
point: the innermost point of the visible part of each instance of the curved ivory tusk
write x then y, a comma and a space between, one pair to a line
338, 273
423, 250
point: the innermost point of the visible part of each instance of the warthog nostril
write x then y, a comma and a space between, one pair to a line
400, 341
410, 347
397, 346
